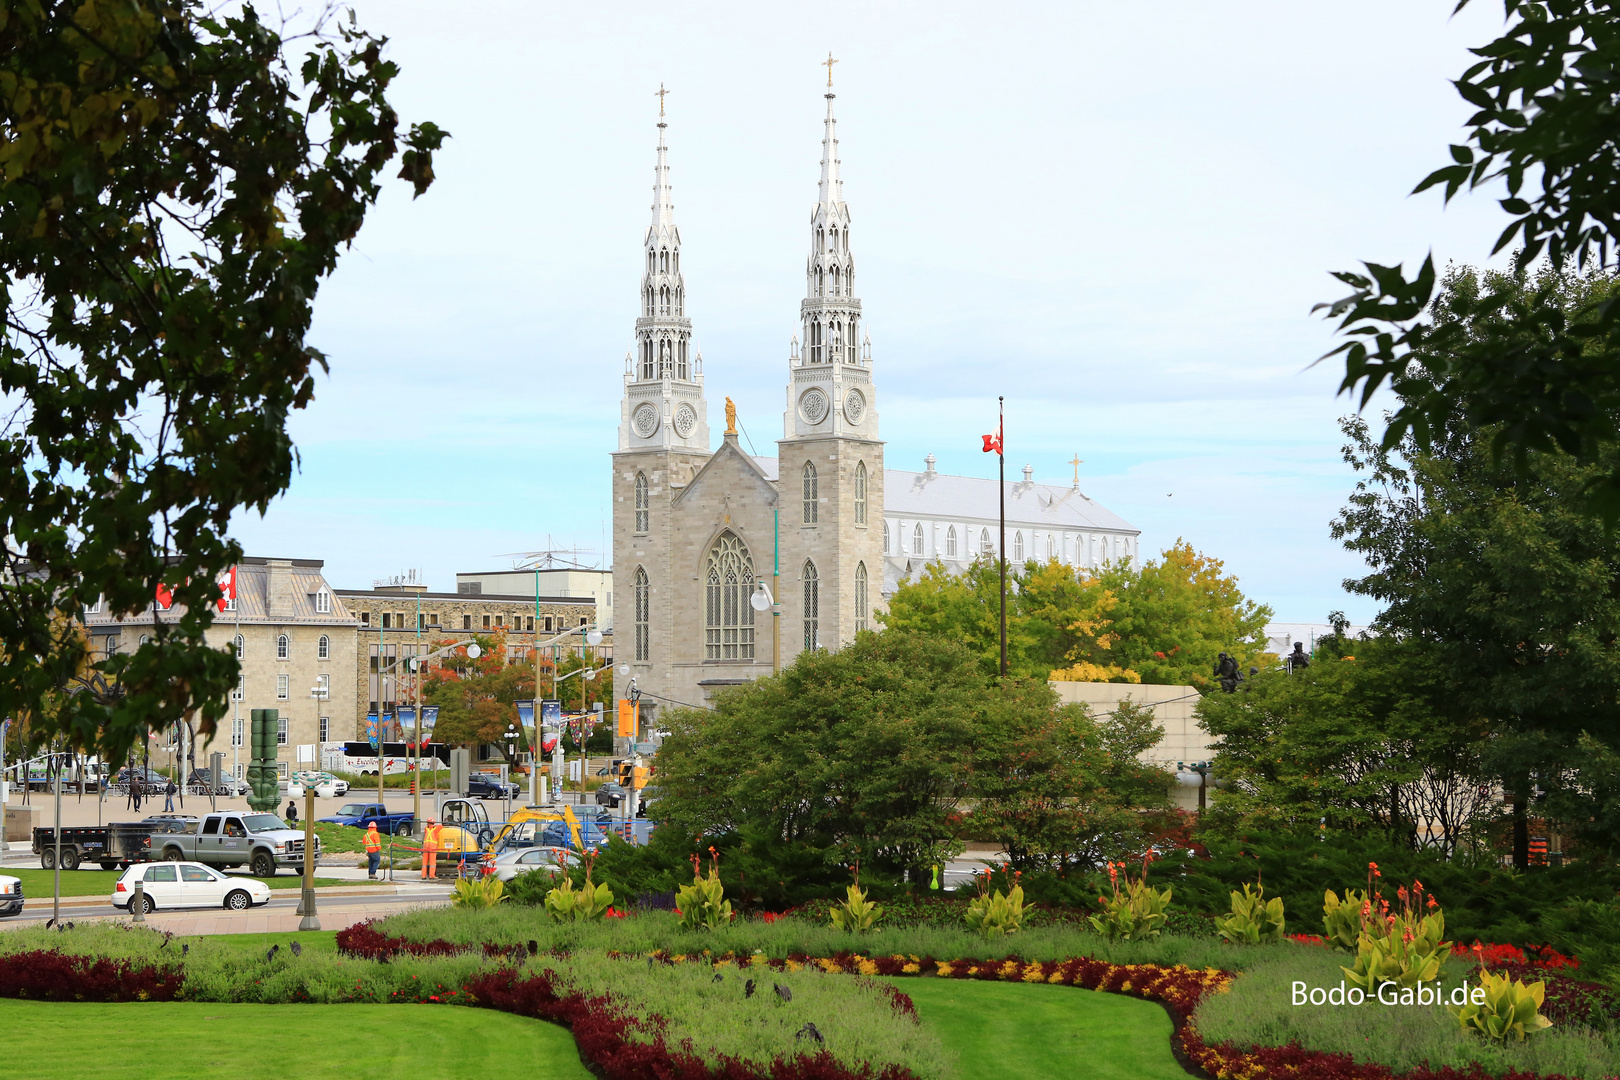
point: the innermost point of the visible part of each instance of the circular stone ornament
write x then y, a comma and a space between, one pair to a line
813, 405
645, 419
685, 420
854, 406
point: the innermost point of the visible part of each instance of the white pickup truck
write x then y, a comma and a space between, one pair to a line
262, 842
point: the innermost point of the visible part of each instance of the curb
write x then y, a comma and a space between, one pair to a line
35, 903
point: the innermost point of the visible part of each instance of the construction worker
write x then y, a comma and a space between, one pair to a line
373, 845
430, 850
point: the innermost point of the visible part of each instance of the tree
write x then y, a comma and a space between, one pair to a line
1500, 577
881, 748
1546, 378
1359, 743
172, 194
476, 698
1161, 623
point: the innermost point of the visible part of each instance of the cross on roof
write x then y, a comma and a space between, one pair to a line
659, 94
1076, 462
828, 63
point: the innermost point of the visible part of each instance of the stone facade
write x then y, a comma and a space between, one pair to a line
401, 622
297, 650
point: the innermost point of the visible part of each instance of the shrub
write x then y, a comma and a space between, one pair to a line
1253, 919
997, 914
1135, 913
1341, 920
1510, 1008
587, 903
703, 903
856, 914
479, 892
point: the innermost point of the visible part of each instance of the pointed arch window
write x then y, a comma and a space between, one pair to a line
815, 342
917, 540
681, 367
646, 359
950, 542
885, 536
1018, 546
663, 261
643, 619
860, 493
986, 548
860, 597
728, 616
1051, 546
810, 488
812, 606
643, 502
663, 300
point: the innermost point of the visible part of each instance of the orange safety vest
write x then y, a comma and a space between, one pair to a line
373, 841
430, 838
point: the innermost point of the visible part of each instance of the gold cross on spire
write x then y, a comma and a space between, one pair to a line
659, 94
828, 63
1076, 462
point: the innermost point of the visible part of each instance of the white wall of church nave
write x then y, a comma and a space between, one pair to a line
1072, 547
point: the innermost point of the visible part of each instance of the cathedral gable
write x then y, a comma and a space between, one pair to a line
731, 472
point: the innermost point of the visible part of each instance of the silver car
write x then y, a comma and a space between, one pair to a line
509, 864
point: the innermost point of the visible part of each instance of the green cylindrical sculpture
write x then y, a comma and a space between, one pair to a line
261, 773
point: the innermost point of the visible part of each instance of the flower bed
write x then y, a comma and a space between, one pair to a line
43, 975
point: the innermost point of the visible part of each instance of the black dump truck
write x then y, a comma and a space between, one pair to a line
116, 845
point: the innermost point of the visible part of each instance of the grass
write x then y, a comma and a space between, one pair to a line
1258, 1010
312, 1042
510, 924
37, 883
1007, 1031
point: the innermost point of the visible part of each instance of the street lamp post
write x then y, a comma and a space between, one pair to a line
512, 736
1195, 774
761, 600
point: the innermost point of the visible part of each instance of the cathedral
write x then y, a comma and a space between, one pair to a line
729, 565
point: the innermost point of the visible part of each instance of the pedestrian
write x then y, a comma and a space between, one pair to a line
168, 796
430, 850
373, 845
135, 787
292, 811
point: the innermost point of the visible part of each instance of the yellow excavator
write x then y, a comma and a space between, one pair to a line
468, 830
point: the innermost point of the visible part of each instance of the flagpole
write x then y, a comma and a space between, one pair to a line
1001, 457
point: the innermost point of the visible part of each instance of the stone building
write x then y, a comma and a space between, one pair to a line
296, 642
698, 533
397, 622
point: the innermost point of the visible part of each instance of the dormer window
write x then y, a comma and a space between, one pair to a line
323, 602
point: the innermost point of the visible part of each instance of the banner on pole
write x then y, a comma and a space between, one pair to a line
430, 719
372, 734
551, 714
407, 722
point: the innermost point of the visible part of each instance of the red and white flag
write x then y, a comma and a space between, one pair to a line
165, 597
227, 588
992, 443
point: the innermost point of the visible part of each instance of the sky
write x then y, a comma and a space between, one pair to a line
1117, 216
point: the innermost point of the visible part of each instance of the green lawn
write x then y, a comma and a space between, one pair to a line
37, 883
311, 1042
1003, 1031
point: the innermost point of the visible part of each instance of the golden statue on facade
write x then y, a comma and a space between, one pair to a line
731, 418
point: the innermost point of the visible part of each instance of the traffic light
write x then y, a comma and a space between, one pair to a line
639, 776
626, 773
629, 718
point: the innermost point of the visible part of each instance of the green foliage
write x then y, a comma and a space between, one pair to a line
703, 903
997, 914
1345, 740
1253, 919
1161, 623
1342, 920
855, 913
1393, 957
174, 188
1543, 95
478, 893
585, 904
870, 751
1515, 595
1510, 1008
1135, 913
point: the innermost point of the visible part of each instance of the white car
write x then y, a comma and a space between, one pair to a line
187, 885
509, 864
11, 895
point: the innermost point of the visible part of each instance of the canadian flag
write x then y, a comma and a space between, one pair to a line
992, 443
227, 588
165, 597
